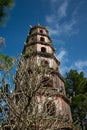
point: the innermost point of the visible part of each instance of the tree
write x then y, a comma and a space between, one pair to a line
31, 81
76, 88
4, 4
6, 62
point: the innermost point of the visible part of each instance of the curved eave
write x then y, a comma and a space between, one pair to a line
42, 43
37, 33
38, 26
59, 75
48, 55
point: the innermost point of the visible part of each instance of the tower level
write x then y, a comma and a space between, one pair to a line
51, 97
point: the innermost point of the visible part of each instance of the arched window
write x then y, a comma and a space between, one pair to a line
32, 38
50, 108
45, 63
43, 49
42, 39
41, 31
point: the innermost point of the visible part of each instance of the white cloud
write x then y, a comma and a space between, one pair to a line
61, 55
63, 23
2, 40
64, 69
67, 28
63, 58
62, 9
50, 19
58, 21
54, 31
81, 64
59, 11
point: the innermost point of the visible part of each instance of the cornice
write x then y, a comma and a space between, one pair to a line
39, 42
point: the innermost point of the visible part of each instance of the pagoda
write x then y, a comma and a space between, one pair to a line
40, 90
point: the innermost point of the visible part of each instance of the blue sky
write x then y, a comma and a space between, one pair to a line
66, 21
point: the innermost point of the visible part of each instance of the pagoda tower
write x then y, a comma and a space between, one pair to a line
50, 98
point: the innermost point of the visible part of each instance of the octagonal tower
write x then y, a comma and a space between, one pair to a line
51, 97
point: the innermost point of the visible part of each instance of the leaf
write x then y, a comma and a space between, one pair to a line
76, 88
6, 62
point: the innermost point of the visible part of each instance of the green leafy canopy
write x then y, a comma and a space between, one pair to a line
4, 4
6, 62
76, 88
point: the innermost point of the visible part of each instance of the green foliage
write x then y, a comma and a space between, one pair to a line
6, 62
76, 88
4, 4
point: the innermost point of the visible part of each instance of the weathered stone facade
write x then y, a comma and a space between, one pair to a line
50, 107
39, 41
